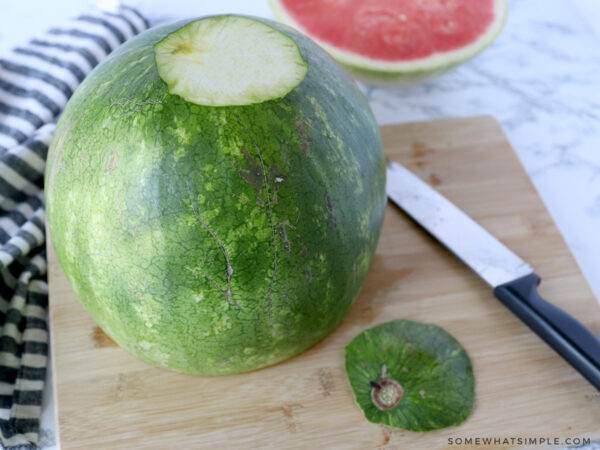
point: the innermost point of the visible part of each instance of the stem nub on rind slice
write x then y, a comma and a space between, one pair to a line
410, 375
229, 60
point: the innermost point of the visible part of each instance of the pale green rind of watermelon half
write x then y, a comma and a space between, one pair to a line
215, 240
398, 73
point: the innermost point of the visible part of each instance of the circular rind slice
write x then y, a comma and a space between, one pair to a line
378, 71
229, 60
432, 367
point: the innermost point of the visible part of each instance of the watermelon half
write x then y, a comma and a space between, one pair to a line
396, 41
215, 190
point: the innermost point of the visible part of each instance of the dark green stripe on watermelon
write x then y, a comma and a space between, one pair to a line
215, 240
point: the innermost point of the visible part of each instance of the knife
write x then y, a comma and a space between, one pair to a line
513, 281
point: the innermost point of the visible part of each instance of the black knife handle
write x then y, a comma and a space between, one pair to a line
565, 334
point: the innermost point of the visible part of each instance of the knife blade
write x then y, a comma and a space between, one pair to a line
513, 281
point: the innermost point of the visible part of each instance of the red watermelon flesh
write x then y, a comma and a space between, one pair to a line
396, 41
393, 30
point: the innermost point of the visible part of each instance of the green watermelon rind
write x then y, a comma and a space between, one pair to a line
146, 232
387, 73
432, 367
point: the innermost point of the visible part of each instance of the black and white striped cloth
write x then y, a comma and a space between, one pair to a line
36, 81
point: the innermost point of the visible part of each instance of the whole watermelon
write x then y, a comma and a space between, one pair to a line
215, 239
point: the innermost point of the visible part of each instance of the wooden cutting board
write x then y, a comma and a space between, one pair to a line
106, 398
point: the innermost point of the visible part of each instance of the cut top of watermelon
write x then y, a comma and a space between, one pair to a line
397, 35
229, 60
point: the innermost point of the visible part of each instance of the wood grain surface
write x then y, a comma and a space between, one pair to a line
108, 399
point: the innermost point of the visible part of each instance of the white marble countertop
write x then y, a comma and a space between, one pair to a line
540, 79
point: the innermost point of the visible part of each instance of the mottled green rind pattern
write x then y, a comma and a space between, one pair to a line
432, 367
148, 195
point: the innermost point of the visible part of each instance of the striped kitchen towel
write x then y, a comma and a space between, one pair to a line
36, 81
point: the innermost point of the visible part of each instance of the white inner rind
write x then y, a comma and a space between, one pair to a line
229, 60
434, 61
